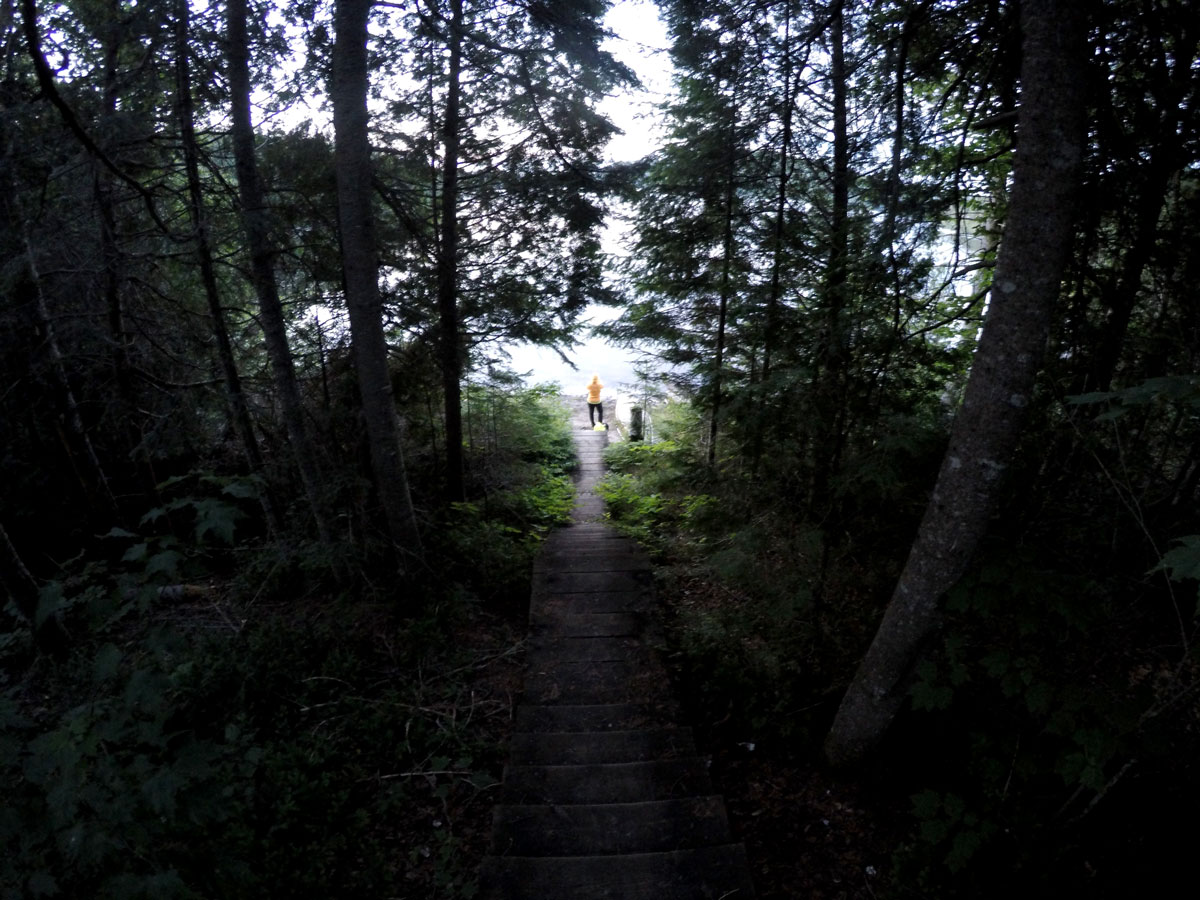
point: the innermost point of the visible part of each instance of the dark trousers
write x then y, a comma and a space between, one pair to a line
594, 408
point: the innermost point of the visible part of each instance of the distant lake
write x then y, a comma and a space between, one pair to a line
593, 356
614, 365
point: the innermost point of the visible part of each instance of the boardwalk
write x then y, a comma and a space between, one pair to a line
604, 795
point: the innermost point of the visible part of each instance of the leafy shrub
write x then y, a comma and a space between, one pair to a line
738, 582
277, 760
222, 746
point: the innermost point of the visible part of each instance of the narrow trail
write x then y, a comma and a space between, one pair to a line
604, 794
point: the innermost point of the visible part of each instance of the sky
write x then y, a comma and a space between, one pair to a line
639, 41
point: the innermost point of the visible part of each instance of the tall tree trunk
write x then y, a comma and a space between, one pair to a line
831, 390
895, 173
781, 194
726, 284
888, 234
239, 410
722, 318
120, 337
1122, 293
1163, 160
352, 161
256, 224
102, 189
95, 484
450, 341
1033, 254
766, 406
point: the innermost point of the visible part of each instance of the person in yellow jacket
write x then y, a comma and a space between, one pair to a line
594, 405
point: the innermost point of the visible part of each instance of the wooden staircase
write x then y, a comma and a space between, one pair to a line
604, 794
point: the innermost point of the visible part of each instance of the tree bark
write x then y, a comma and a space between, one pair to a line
96, 487
778, 232
450, 349
778, 229
352, 162
726, 289
1029, 270
830, 391
239, 410
256, 225
121, 338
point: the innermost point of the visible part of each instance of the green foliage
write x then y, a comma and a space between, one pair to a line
1031, 713
636, 491
212, 517
1160, 391
519, 454
279, 741
946, 822
294, 757
1182, 563
737, 580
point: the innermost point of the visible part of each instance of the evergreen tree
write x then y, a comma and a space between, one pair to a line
360, 267
501, 192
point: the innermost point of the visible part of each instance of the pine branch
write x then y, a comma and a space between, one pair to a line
46, 81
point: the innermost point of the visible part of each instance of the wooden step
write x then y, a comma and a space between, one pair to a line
589, 560
623, 782
582, 747
548, 647
612, 624
592, 718
710, 873
607, 828
595, 582
609, 681
586, 534
604, 794
583, 604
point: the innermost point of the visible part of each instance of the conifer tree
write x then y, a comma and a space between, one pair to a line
360, 266
502, 194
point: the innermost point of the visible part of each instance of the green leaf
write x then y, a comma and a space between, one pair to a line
217, 518
50, 601
136, 553
164, 563
1182, 562
242, 490
962, 848
108, 659
160, 791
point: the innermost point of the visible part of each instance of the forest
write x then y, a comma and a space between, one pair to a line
923, 366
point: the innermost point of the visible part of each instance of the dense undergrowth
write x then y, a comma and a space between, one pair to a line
244, 717
1052, 733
